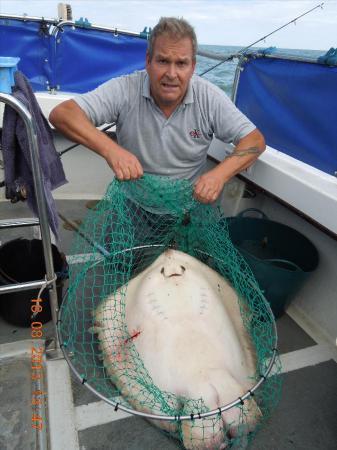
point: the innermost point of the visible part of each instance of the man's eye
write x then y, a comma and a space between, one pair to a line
182, 63
162, 61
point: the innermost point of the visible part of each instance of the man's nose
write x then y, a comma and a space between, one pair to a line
171, 71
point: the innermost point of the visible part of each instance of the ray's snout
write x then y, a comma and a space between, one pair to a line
172, 270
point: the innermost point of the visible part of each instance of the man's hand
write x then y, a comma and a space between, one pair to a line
209, 186
125, 165
72, 121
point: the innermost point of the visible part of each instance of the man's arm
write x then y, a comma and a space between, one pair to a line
209, 186
72, 121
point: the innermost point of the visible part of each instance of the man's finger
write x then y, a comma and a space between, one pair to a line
200, 197
214, 197
134, 172
208, 197
198, 186
204, 192
139, 169
136, 169
126, 173
119, 174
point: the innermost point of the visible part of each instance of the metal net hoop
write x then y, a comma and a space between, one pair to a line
193, 415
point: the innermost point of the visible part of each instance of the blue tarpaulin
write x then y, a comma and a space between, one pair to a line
27, 40
294, 104
86, 58
75, 59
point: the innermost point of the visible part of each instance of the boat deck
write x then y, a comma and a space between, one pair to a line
306, 417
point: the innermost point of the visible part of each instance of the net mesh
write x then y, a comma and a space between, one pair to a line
129, 228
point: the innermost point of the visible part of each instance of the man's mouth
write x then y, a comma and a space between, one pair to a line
169, 86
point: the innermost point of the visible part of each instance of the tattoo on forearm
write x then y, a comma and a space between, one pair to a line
245, 152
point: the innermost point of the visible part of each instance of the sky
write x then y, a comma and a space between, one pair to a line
217, 22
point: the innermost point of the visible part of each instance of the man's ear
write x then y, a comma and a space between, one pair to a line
194, 63
147, 58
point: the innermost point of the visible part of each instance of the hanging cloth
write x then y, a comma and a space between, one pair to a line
19, 181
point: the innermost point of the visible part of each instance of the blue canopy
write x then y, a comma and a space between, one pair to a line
75, 59
294, 104
86, 58
26, 40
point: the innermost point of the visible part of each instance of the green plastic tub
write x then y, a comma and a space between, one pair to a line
280, 257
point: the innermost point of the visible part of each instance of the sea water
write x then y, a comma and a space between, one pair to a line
223, 75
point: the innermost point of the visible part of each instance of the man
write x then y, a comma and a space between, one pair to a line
165, 117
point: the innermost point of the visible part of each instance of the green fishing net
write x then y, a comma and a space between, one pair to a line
134, 223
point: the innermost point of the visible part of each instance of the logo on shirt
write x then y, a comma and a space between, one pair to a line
195, 134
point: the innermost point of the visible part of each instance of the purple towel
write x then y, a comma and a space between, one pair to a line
16, 154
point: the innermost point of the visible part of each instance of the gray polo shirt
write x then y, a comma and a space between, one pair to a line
175, 146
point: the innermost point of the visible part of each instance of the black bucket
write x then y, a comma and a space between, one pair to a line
280, 257
21, 260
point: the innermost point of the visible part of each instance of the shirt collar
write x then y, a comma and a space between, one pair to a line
146, 86
187, 99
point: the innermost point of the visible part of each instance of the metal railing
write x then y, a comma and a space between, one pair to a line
42, 215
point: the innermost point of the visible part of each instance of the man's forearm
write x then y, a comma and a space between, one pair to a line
72, 122
209, 185
244, 155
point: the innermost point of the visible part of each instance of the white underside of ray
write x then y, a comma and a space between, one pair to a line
184, 320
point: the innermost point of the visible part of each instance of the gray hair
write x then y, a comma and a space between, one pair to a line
174, 28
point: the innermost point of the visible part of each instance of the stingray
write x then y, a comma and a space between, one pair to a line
183, 321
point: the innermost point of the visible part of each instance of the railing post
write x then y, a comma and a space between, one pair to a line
54, 349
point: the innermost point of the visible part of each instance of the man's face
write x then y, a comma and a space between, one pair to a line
170, 70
